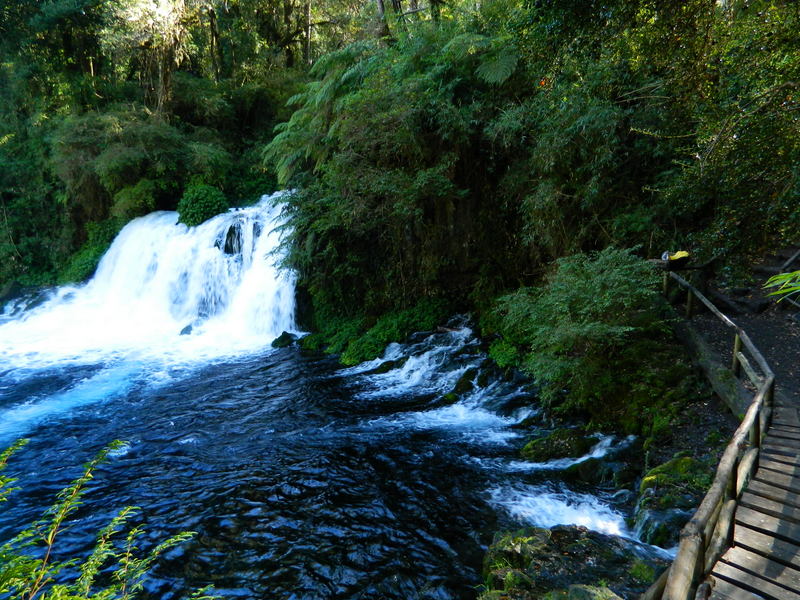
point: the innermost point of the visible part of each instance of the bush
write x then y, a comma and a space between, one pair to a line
199, 203
83, 263
573, 333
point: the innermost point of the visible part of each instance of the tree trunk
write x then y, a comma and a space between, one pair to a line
307, 44
215, 49
383, 26
287, 23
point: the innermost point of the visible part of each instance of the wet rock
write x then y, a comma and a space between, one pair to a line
386, 366
187, 330
661, 527
561, 443
449, 398
283, 340
465, 384
233, 240
567, 562
668, 494
601, 471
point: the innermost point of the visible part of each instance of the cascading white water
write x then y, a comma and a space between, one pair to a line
217, 283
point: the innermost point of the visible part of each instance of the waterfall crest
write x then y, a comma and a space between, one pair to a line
164, 289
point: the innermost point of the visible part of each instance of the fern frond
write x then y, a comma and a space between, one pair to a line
496, 69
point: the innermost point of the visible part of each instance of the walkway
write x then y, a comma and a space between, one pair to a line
743, 543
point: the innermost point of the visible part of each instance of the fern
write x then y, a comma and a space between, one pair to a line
495, 69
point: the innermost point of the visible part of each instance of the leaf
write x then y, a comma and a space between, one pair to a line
496, 69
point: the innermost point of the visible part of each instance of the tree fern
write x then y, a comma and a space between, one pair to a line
496, 68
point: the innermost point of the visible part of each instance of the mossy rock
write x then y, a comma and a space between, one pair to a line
591, 592
668, 494
561, 443
386, 366
534, 563
465, 384
683, 472
283, 340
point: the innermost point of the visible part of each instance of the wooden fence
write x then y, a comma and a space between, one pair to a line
709, 532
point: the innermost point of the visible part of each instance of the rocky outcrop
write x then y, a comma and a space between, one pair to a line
668, 494
561, 443
568, 562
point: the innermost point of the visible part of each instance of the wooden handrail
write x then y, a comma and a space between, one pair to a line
710, 530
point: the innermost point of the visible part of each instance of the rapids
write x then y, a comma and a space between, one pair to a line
302, 479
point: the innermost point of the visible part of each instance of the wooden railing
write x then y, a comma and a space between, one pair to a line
709, 532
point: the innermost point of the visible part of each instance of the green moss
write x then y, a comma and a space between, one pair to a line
562, 443
393, 327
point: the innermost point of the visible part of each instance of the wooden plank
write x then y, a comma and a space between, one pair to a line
774, 493
783, 415
770, 446
781, 480
784, 427
765, 567
777, 454
782, 441
769, 463
785, 530
785, 434
753, 583
758, 542
770, 506
724, 590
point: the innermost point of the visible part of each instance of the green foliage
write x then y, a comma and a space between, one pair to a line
785, 284
29, 569
199, 203
571, 332
356, 341
394, 327
83, 263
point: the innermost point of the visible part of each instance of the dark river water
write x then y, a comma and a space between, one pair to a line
300, 478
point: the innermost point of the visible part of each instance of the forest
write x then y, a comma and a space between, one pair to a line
517, 161
441, 156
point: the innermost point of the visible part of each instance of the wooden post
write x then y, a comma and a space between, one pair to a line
689, 303
665, 285
737, 347
769, 395
755, 434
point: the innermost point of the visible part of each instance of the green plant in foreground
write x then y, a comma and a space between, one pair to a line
28, 569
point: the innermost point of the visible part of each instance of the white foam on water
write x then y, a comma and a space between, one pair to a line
541, 506
603, 447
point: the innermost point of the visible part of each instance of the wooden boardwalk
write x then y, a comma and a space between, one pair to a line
743, 541
764, 561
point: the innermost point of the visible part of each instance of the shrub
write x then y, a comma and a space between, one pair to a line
573, 332
83, 263
199, 203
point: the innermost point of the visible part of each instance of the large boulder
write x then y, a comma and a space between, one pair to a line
568, 562
561, 443
668, 494
283, 340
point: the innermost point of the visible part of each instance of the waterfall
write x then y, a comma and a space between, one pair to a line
165, 290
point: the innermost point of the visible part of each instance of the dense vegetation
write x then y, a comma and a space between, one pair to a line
443, 156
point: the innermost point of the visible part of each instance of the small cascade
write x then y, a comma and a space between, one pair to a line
165, 289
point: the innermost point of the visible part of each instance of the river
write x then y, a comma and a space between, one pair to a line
302, 479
